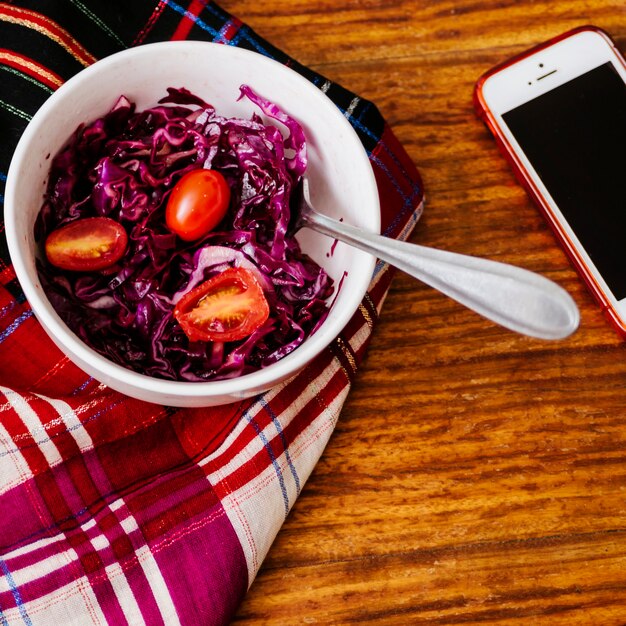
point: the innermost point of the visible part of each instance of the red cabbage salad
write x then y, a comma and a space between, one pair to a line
207, 306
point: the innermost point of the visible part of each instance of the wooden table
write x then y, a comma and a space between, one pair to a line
475, 476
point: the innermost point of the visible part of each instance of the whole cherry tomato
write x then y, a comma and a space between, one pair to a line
227, 307
87, 244
197, 204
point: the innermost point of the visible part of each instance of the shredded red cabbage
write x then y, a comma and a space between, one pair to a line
124, 166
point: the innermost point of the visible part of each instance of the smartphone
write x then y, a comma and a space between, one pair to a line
558, 114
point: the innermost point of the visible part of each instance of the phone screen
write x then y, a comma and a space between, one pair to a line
575, 138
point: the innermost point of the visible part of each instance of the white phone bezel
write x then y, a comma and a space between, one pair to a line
519, 83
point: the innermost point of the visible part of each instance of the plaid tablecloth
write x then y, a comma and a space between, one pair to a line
115, 511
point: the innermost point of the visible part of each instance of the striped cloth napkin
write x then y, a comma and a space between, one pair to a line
115, 511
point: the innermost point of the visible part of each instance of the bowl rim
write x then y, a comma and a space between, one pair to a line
62, 335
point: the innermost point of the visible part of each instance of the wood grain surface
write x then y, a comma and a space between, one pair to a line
475, 476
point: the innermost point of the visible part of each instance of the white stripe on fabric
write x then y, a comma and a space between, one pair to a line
239, 522
72, 422
37, 570
100, 542
149, 566
34, 426
350, 110
42, 439
126, 519
359, 337
118, 578
256, 445
117, 505
158, 585
14, 469
236, 432
124, 594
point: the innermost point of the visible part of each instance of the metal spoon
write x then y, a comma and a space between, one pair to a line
515, 298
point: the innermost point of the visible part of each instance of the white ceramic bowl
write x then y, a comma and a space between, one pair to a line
342, 186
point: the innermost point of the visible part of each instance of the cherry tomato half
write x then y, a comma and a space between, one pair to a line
87, 244
227, 307
197, 204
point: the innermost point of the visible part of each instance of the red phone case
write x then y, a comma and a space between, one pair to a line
525, 180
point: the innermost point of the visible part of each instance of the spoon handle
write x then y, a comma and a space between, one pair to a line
513, 297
